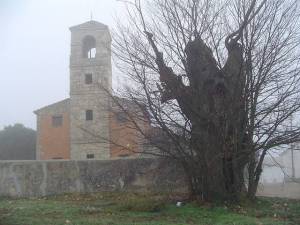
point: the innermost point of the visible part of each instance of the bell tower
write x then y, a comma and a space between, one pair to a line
90, 79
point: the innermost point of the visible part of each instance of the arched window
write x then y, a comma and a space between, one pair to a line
89, 47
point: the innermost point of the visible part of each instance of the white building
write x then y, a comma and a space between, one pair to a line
281, 175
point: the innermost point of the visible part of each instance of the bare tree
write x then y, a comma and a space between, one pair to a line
219, 80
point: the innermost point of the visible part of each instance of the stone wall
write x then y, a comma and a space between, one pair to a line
40, 178
281, 190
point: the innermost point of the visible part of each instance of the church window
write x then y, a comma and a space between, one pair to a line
57, 120
89, 114
124, 155
89, 47
88, 78
121, 117
56, 158
105, 81
90, 156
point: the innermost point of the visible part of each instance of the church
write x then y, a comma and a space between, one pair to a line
87, 125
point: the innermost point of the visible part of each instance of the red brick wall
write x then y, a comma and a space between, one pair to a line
125, 140
54, 141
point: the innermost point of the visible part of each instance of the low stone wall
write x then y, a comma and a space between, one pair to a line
40, 178
281, 190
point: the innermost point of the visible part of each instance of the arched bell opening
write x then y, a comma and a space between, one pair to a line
89, 47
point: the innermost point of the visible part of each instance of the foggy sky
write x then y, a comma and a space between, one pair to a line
35, 50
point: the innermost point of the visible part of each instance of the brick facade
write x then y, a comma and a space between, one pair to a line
53, 142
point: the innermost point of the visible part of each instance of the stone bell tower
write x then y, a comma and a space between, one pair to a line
90, 79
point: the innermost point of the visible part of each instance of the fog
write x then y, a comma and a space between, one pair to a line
35, 49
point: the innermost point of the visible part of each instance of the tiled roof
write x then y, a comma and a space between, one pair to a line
63, 103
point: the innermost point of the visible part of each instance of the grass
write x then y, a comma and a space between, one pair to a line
142, 209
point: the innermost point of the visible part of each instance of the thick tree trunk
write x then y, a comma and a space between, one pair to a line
208, 185
213, 103
213, 175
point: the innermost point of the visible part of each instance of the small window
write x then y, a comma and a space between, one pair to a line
88, 78
57, 121
121, 117
57, 158
105, 81
124, 155
90, 156
89, 114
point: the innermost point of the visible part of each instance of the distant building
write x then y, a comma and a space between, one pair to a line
87, 125
283, 168
281, 175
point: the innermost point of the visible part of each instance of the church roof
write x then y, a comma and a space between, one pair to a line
92, 24
61, 104
64, 106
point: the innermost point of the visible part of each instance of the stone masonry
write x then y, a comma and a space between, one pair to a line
90, 137
41, 178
